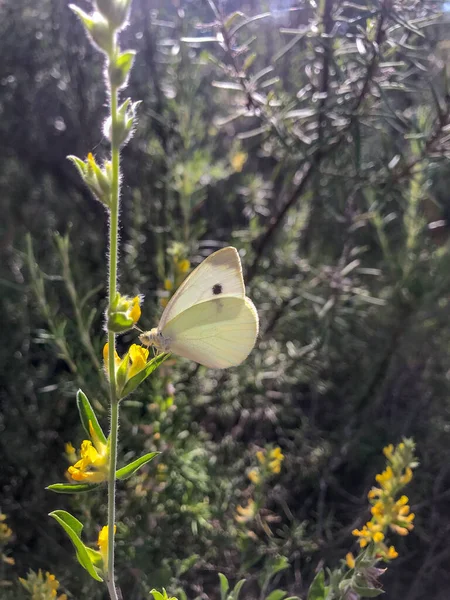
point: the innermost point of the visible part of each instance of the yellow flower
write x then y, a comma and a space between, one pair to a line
168, 284
134, 311
385, 478
261, 457
392, 553
406, 478
138, 356
102, 543
350, 560
377, 509
117, 360
238, 161
183, 265
254, 476
388, 451
71, 453
5, 531
130, 365
275, 466
93, 464
277, 454
374, 493
246, 514
69, 448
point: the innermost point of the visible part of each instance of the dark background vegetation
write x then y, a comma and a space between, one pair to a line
340, 212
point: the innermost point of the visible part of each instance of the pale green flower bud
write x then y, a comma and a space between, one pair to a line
125, 123
120, 67
114, 11
100, 30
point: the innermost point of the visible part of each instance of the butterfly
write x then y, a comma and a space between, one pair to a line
209, 319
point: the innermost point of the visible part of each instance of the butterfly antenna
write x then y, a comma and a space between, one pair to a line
138, 328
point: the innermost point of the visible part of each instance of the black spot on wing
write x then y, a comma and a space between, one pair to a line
217, 289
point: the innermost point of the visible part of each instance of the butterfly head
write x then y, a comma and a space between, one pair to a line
154, 337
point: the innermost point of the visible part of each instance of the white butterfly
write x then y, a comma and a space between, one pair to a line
209, 319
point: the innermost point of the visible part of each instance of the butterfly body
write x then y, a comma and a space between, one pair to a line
209, 319
155, 338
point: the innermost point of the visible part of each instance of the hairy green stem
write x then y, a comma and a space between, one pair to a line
114, 408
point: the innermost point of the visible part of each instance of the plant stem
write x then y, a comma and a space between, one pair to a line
113, 258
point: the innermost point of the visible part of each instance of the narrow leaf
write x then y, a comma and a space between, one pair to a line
73, 528
70, 520
128, 471
132, 384
72, 488
237, 589
87, 414
366, 592
224, 586
276, 595
227, 85
199, 40
317, 589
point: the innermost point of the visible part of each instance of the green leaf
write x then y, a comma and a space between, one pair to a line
121, 373
366, 592
87, 414
317, 588
186, 564
224, 586
280, 563
237, 589
73, 528
72, 488
249, 61
151, 366
158, 596
130, 469
276, 595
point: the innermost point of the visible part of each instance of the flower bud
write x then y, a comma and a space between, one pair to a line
99, 29
123, 314
97, 179
120, 67
122, 129
114, 11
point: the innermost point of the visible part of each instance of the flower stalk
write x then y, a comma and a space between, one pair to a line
113, 259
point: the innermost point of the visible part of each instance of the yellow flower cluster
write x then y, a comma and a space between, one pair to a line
387, 512
5, 536
42, 587
270, 464
270, 460
5, 531
92, 467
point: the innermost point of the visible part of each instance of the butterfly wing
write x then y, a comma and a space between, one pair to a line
218, 275
217, 333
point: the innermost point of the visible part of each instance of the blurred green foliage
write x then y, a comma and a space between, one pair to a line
314, 138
